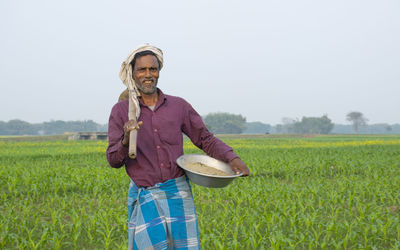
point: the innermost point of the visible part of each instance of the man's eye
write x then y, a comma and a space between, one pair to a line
153, 69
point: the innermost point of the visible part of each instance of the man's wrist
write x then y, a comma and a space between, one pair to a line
234, 159
124, 143
230, 156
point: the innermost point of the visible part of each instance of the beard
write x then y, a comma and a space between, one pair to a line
147, 88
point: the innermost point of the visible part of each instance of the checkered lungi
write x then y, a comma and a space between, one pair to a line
162, 216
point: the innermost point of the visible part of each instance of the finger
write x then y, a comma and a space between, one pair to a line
126, 129
132, 125
245, 171
236, 170
139, 124
128, 126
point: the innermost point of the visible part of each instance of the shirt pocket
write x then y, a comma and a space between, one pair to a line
170, 131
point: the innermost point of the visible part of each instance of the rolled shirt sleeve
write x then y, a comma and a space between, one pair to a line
116, 152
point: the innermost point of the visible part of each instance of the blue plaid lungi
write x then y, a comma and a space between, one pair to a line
162, 216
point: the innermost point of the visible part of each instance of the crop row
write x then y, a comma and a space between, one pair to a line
319, 192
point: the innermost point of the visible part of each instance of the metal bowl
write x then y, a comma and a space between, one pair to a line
206, 180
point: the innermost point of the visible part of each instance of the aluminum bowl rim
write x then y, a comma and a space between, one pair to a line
207, 175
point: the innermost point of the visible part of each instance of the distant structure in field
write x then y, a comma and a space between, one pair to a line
87, 136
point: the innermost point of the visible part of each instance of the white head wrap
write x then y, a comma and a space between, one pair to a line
127, 78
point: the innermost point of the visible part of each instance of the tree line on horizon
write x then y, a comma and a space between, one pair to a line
19, 127
218, 123
225, 123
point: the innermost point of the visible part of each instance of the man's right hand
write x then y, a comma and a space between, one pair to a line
128, 127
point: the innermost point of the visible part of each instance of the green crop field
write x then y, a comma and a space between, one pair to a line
315, 192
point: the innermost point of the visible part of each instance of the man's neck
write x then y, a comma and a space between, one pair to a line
150, 100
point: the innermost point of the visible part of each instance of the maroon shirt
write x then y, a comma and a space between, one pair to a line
160, 140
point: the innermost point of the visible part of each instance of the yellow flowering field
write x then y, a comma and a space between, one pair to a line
314, 192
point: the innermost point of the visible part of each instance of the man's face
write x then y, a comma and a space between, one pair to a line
146, 73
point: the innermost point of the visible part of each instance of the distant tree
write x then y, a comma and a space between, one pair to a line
3, 127
59, 127
289, 125
18, 127
308, 125
357, 118
15, 127
315, 125
279, 128
378, 128
225, 123
257, 128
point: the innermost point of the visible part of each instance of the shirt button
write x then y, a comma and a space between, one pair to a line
158, 147
155, 130
162, 164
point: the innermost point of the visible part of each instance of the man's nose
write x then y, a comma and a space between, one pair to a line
148, 74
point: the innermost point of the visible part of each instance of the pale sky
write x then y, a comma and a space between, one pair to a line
263, 59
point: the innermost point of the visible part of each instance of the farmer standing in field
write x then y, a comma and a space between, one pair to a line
160, 203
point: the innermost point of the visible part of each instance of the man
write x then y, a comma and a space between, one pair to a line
160, 203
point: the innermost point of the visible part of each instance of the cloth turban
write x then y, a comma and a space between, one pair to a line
126, 76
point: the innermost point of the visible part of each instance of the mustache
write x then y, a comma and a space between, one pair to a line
148, 79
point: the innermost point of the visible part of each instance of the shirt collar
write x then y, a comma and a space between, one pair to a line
161, 99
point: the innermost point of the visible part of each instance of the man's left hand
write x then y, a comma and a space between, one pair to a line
238, 166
